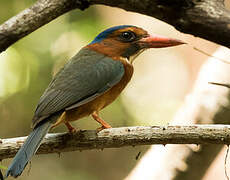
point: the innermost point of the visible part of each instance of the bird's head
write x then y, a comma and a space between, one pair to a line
128, 42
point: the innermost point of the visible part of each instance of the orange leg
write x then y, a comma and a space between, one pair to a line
104, 124
70, 127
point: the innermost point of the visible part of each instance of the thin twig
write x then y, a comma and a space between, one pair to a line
220, 84
207, 54
225, 163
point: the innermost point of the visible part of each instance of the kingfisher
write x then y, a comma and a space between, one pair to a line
87, 83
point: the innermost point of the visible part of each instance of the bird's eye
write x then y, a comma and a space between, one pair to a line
128, 36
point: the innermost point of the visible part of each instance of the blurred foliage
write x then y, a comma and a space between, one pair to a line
3, 167
26, 69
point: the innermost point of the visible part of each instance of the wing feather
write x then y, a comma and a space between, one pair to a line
85, 77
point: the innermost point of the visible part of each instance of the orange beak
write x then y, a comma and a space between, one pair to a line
156, 41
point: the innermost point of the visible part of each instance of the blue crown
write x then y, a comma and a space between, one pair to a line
107, 32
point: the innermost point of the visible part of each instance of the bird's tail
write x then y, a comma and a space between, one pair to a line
29, 148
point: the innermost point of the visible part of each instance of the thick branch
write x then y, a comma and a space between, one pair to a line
206, 19
126, 136
39, 14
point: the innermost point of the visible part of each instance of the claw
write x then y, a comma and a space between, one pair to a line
100, 129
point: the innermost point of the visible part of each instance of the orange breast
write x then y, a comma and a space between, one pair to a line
101, 101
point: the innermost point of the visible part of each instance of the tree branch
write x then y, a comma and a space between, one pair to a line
120, 137
200, 18
206, 19
39, 14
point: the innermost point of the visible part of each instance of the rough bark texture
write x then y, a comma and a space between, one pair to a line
206, 104
206, 19
39, 14
119, 137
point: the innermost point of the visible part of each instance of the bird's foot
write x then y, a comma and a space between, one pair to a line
101, 128
104, 124
71, 129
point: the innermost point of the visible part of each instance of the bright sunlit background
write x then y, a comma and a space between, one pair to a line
162, 78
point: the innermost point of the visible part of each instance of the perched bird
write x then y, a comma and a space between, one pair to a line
90, 81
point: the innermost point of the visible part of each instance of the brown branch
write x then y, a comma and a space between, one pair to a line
120, 137
39, 14
206, 19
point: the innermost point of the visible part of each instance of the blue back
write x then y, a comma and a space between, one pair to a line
107, 32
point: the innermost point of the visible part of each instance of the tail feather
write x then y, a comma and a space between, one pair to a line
29, 148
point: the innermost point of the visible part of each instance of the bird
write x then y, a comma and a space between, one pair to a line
88, 82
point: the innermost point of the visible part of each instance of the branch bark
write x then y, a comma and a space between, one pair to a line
39, 14
206, 19
120, 137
